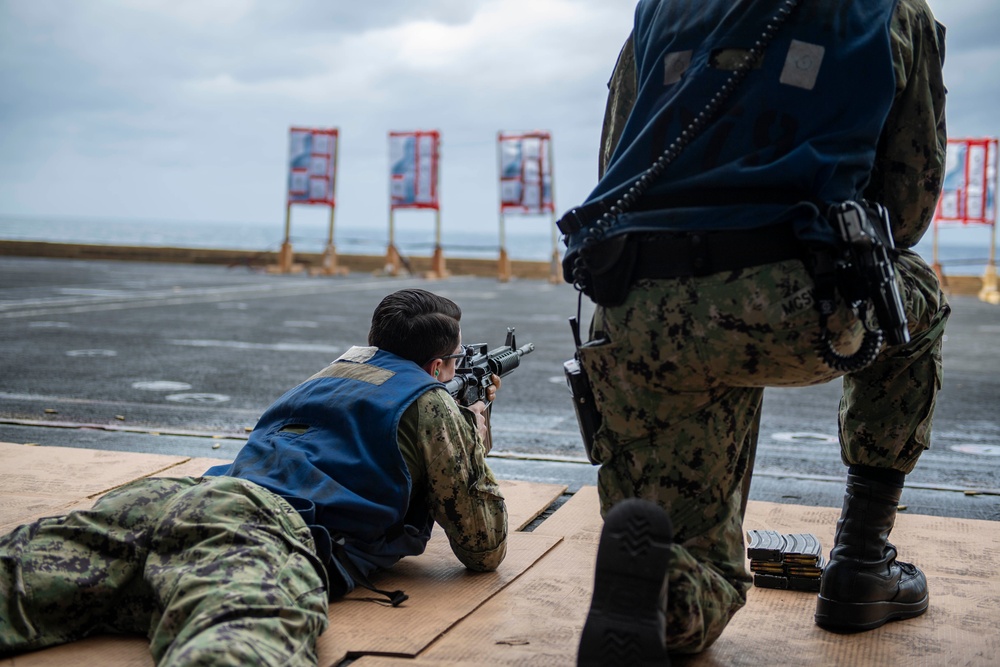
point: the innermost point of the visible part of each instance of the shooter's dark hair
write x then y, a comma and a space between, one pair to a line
416, 324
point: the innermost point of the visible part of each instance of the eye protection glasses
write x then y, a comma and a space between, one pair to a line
446, 357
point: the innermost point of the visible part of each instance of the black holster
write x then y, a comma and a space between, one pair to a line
610, 265
587, 416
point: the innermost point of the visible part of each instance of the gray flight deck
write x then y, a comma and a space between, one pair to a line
182, 359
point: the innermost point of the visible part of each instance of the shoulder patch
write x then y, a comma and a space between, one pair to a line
352, 371
802, 64
674, 66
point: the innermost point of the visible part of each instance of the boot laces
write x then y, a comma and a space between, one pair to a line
908, 568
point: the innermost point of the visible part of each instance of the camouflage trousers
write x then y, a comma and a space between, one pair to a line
679, 385
214, 570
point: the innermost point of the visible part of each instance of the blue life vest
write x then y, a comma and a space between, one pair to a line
332, 440
798, 134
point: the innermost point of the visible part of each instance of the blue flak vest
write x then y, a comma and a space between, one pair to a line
332, 441
798, 134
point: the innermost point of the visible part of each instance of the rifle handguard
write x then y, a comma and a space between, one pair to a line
474, 372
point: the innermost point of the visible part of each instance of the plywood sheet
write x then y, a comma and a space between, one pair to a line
527, 500
191, 467
16, 509
441, 594
965, 548
959, 556
103, 651
777, 626
532, 609
43, 481
538, 619
441, 590
65, 471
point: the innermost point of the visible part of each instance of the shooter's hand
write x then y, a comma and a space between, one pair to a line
491, 391
479, 410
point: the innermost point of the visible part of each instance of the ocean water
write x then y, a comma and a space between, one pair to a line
532, 241
961, 250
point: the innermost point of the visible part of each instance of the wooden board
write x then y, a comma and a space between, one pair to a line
538, 619
441, 590
533, 608
46, 481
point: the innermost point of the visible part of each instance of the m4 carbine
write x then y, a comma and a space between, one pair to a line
474, 372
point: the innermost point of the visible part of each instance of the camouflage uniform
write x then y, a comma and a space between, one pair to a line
219, 570
447, 463
680, 383
214, 571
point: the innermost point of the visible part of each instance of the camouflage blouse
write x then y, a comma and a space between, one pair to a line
447, 464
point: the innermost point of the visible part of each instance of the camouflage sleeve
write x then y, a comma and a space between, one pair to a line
461, 491
621, 99
909, 163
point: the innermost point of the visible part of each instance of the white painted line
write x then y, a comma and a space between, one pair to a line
161, 298
91, 353
250, 415
463, 294
161, 385
806, 438
197, 398
49, 325
553, 458
275, 347
981, 450
84, 291
146, 430
534, 431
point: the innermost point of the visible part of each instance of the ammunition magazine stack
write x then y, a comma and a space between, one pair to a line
788, 561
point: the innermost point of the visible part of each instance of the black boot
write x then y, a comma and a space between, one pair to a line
627, 620
863, 584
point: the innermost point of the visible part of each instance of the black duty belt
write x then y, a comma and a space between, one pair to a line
686, 254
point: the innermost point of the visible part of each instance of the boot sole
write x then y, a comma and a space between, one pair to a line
860, 616
626, 624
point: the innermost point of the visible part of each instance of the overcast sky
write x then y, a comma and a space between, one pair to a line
180, 109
